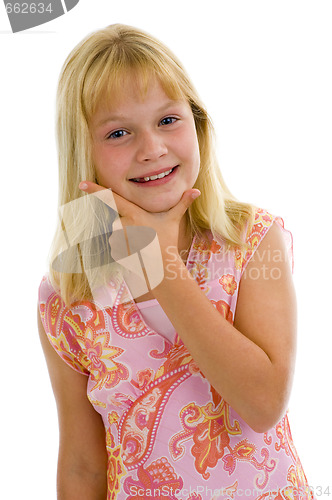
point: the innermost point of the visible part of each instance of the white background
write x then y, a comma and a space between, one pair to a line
264, 70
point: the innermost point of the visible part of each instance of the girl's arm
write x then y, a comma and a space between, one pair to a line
82, 461
251, 363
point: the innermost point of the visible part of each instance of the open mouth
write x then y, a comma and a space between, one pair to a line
154, 178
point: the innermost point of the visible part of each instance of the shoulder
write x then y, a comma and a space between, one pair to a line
269, 238
45, 289
49, 297
266, 284
64, 326
51, 305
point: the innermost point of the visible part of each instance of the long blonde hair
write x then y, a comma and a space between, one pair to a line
97, 67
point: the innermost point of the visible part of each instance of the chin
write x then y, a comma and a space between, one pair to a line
158, 207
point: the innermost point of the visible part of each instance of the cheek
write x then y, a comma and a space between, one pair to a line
98, 161
193, 151
196, 161
193, 140
109, 167
187, 142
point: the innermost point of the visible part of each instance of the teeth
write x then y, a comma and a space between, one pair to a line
160, 176
154, 177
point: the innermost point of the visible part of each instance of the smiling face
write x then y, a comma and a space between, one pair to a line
144, 136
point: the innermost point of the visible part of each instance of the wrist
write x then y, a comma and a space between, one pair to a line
170, 253
173, 267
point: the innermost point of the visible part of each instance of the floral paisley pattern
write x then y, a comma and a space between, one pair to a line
169, 435
159, 479
228, 282
209, 429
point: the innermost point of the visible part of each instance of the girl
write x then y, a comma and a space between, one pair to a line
187, 378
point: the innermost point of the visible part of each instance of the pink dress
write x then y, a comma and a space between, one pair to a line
169, 434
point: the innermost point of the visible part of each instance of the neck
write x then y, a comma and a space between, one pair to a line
185, 238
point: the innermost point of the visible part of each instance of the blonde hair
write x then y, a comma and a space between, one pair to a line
97, 67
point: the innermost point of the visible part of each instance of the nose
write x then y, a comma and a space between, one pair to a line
151, 146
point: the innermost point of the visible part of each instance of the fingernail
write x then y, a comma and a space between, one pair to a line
83, 185
195, 195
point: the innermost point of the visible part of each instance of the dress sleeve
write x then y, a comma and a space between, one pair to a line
59, 329
262, 223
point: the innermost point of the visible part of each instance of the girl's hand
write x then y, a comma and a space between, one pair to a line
165, 224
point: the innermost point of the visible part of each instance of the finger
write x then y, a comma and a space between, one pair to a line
187, 199
103, 194
109, 197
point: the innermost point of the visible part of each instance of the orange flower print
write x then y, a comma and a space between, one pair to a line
209, 428
105, 371
215, 247
228, 283
238, 256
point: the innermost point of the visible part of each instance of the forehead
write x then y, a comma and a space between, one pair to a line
131, 98
130, 85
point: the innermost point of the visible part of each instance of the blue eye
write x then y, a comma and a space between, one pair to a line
117, 134
168, 120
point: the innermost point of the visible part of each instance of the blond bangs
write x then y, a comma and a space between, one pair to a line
108, 76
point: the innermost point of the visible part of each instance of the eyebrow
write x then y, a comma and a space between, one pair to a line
115, 118
110, 118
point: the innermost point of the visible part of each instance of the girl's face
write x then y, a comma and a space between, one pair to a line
138, 138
